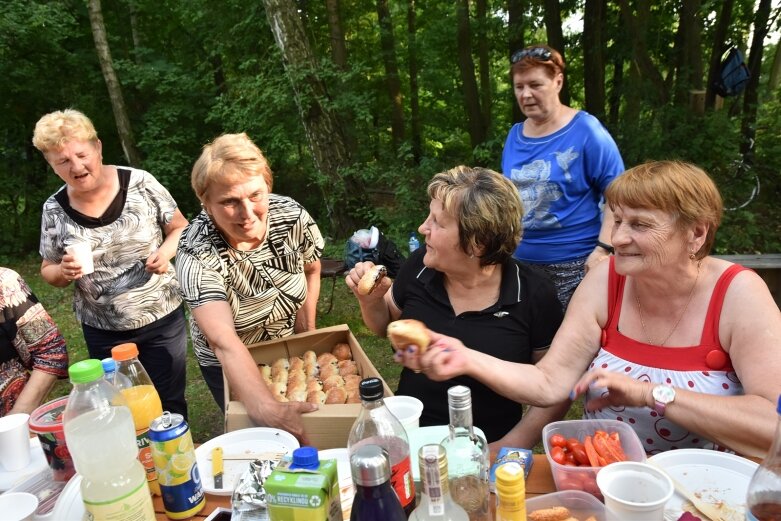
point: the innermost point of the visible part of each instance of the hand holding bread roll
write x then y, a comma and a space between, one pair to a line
406, 332
371, 279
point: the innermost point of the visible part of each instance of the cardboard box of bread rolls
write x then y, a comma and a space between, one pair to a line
329, 426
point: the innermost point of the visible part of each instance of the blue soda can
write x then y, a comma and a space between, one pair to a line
177, 470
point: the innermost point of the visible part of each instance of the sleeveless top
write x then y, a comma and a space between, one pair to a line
704, 368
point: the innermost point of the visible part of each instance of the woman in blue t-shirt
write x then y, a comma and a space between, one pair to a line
561, 160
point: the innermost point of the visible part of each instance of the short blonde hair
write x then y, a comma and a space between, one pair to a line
57, 128
681, 189
229, 157
487, 207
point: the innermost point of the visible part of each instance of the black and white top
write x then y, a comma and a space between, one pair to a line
120, 294
264, 287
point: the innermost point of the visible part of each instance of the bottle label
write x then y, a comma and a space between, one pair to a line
401, 480
145, 454
135, 506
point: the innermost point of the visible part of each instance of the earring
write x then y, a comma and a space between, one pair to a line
692, 255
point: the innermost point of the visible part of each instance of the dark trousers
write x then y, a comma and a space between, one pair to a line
162, 350
212, 375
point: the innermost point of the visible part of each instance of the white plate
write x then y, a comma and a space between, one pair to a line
243, 441
346, 488
69, 505
711, 475
9, 479
424, 436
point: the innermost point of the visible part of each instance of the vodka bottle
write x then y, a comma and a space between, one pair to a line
436, 504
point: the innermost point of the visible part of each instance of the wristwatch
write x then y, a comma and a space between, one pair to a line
663, 396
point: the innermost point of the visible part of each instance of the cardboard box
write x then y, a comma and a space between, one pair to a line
329, 426
301, 495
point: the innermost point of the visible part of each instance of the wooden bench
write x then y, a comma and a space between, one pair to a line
333, 268
767, 266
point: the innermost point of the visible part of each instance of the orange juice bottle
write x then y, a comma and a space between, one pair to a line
135, 385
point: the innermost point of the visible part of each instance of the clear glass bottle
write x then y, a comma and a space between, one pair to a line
376, 425
414, 244
467, 456
435, 500
510, 493
763, 499
374, 498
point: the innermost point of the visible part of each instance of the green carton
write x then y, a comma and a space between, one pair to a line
304, 495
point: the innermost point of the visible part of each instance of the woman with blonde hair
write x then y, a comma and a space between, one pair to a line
132, 225
249, 268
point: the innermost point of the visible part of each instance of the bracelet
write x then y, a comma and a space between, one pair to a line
608, 248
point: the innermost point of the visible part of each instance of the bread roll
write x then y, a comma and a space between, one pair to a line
295, 377
347, 367
353, 395
299, 386
280, 376
310, 357
335, 395
371, 279
403, 333
316, 397
265, 373
314, 385
333, 381
351, 381
311, 368
296, 396
296, 363
326, 358
342, 351
278, 390
327, 371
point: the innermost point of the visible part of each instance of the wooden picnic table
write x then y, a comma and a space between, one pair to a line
540, 482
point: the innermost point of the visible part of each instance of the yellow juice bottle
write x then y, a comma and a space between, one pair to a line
136, 387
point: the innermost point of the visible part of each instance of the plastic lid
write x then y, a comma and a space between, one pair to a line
85, 371
109, 365
305, 458
48, 417
124, 352
370, 389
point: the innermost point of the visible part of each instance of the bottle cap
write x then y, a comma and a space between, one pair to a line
109, 365
434, 455
370, 389
305, 458
459, 397
85, 371
124, 352
370, 466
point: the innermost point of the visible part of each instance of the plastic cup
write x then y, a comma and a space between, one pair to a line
46, 422
82, 253
18, 506
407, 409
635, 491
14, 442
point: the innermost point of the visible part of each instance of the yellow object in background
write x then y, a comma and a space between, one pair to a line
510, 493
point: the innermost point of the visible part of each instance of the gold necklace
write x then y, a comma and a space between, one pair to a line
640, 311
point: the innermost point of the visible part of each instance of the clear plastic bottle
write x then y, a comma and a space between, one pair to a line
374, 498
510, 493
133, 382
414, 244
763, 499
376, 425
109, 369
101, 440
436, 504
467, 456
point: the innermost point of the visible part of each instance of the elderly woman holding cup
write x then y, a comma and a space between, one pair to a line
126, 223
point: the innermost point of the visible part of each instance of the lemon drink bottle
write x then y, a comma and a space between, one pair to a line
101, 440
135, 385
177, 470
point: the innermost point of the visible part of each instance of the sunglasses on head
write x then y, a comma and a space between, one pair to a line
538, 53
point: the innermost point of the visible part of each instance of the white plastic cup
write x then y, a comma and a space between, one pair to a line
14, 442
407, 409
18, 506
633, 490
82, 253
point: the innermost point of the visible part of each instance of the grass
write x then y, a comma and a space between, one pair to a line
206, 420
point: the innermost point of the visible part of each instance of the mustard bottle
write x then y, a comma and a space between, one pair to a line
510, 493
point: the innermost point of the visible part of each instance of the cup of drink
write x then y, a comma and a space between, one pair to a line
82, 253
18, 506
14, 442
634, 490
46, 422
407, 409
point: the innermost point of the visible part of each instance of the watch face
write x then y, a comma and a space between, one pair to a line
663, 393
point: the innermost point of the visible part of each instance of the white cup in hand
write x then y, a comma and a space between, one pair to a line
82, 253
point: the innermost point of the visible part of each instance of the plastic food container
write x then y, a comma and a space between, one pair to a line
46, 422
585, 478
580, 504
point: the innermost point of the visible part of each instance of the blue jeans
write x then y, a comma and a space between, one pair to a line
162, 350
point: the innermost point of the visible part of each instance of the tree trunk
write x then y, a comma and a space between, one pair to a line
323, 131
718, 47
112, 84
414, 97
688, 41
751, 94
594, 57
553, 29
392, 81
484, 61
338, 45
466, 67
637, 26
775, 70
135, 32
516, 40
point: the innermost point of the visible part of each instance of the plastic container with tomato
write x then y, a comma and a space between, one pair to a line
573, 475
580, 504
46, 422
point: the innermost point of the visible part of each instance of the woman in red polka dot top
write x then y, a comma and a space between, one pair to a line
684, 347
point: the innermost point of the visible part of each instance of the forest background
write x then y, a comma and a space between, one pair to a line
358, 103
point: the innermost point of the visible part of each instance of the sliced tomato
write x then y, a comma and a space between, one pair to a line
557, 440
